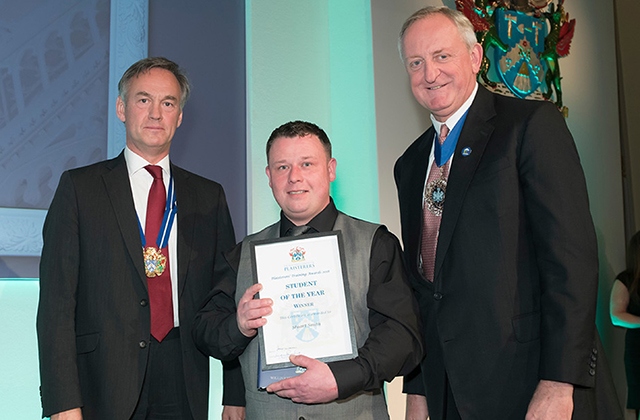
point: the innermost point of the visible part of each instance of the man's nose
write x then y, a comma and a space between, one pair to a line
295, 174
430, 72
155, 112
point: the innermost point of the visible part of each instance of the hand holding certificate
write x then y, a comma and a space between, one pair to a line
251, 312
306, 280
317, 385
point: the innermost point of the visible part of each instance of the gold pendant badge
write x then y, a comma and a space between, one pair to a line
154, 262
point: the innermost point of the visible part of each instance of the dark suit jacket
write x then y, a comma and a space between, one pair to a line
93, 316
516, 270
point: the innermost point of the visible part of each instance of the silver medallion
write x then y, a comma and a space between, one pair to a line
435, 194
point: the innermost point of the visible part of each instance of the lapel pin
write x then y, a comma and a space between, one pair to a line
466, 151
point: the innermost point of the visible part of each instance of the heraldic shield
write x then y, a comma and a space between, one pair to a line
521, 68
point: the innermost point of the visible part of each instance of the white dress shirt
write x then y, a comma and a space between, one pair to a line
141, 181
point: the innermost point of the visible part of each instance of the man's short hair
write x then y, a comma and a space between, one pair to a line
464, 25
147, 64
299, 129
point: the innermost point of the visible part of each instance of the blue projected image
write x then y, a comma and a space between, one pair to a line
54, 86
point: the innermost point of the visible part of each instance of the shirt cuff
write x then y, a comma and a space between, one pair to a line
348, 375
413, 383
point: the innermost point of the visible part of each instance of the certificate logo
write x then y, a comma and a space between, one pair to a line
306, 323
297, 254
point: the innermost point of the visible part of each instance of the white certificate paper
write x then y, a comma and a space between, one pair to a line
305, 276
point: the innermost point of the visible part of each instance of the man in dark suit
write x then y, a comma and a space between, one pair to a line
499, 243
110, 319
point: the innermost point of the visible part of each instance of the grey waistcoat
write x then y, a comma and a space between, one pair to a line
357, 237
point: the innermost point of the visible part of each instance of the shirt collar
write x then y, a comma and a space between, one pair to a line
453, 119
136, 162
322, 222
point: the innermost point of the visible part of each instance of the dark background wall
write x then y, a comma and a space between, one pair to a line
207, 38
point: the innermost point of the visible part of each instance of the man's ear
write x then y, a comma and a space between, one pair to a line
120, 109
268, 172
476, 57
333, 163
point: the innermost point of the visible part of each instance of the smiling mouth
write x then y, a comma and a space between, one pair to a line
297, 192
436, 87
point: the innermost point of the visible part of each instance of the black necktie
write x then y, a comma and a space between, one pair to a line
298, 230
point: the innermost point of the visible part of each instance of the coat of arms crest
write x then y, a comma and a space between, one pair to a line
297, 254
522, 42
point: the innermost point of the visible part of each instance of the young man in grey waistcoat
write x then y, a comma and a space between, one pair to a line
300, 169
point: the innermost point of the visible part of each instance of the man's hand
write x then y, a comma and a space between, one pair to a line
73, 414
316, 385
552, 400
232, 412
416, 407
251, 311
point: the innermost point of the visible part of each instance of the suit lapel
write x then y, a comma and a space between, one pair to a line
186, 199
475, 135
119, 191
415, 191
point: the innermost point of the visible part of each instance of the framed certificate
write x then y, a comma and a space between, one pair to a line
306, 278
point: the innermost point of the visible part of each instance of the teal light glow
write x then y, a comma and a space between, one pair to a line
312, 60
18, 347
19, 350
17, 279
353, 125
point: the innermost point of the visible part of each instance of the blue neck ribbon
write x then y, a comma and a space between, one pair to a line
443, 152
170, 211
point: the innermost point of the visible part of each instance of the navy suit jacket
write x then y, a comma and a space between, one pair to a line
516, 270
93, 317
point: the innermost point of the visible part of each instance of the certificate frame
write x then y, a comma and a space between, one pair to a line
306, 277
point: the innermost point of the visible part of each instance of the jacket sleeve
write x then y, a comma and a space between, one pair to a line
564, 241
394, 344
233, 385
215, 329
55, 323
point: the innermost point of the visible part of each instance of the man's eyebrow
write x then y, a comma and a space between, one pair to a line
170, 97
148, 95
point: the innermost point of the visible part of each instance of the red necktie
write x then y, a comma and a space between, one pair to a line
431, 221
159, 287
